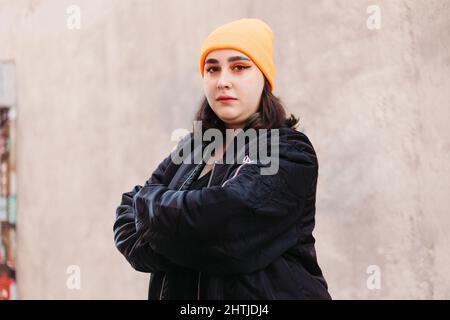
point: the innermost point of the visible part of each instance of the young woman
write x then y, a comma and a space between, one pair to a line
221, 230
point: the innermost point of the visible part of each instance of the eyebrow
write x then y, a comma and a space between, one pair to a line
236, 58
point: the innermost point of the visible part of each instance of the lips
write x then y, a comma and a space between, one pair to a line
225, 98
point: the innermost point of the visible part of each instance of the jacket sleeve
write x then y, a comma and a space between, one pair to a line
239, 227
128, 240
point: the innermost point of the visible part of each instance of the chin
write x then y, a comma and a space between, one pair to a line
228, 116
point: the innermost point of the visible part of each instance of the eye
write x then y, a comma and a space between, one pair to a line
211, 69
240, 67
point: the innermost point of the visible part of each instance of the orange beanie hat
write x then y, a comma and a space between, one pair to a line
252, 37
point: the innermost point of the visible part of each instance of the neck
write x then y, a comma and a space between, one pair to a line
234, 126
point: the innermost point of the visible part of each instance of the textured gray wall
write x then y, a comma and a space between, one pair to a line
96, 108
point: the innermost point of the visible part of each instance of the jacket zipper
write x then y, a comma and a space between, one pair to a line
162, 286
200, 273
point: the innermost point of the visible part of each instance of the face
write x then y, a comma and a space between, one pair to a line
231, 74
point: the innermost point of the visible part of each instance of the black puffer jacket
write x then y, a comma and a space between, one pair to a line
245, 236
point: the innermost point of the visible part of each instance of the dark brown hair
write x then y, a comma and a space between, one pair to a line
271, 114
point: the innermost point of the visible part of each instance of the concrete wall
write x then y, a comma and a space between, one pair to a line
96, 107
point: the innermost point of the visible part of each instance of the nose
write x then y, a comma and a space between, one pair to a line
224, 80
